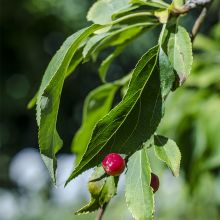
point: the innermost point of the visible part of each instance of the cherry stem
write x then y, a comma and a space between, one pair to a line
101, 211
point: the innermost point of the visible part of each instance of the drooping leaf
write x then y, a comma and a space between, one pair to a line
135, 118
97, 104
179, 49
138, 193
101, 12
167, 151
49, 97
77, 58
101, 190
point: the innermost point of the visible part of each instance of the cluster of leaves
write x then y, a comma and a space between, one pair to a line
130, 127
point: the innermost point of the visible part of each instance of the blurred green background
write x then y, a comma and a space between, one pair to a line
30, 33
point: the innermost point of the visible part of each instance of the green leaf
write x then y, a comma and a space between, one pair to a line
122, 40
153, 3
97, 104
92, 43
77, 58
95, 184
101, 191
101, 12
135, 118
108, 60
179, 49
138, 193
167, 151
124, 12
120, 36
114, 38
49, 97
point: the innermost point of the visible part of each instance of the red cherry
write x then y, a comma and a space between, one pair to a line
113, 164
154, 182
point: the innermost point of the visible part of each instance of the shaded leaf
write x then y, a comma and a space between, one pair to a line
108, 60
167, 151
138, 193
120, 36
97, 104
116, 37
92, 42
135, 118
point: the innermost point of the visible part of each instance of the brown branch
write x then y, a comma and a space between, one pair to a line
101, 212
198, 23
189, 5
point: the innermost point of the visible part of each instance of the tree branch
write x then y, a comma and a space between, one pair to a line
101, 212
198, 23
191, 4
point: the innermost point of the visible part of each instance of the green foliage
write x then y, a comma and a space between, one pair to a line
180, 56
167, 151
138, 192
97, 104
101, 190
135, 119
101, 12
49, 97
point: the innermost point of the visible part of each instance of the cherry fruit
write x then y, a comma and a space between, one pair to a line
154, 182
113, 164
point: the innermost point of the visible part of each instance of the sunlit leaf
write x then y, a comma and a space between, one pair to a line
179, 49
101, 12
136, 117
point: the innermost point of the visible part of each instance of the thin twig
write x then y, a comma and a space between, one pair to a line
101, 212
198, 23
